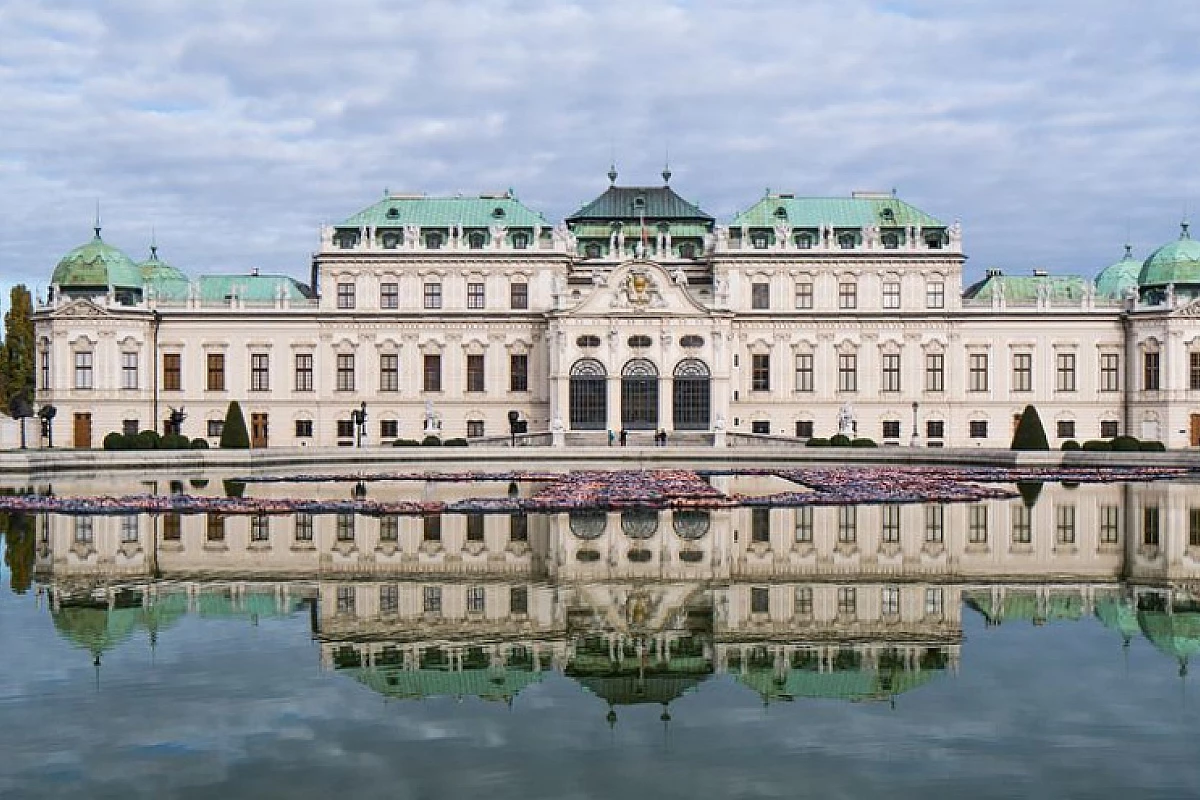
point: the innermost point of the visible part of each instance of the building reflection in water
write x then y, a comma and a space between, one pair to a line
855, 602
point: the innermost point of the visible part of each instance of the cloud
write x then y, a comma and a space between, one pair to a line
1053, 130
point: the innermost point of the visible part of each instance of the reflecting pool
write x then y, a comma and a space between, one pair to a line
1032, 646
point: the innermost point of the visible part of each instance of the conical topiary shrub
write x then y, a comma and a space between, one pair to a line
1030, 435
234, 435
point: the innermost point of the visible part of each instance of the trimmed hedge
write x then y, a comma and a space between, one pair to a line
1125, 444
840, 440
1030, 435
1069, 445
234, 435
116, 441
406, 443
147, 440
817, 442
199, 443
431, 441
454, 443
1097, 446
1152, 447
174, 441
863, 442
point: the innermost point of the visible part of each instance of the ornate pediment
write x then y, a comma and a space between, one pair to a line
80, 308
639, 288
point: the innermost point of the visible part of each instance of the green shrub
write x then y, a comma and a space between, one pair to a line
174, 441
115, 441
1030, 435
1125, 444
431, 441
817, 442
1152, 447
863, 442
1097, 446
147, 440
234, 435
406, 443
454, 443
1030, 492
199, 443
840, 440
1070, 444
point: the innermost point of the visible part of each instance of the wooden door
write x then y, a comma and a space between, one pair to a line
83, 430
258, 430
1195, 430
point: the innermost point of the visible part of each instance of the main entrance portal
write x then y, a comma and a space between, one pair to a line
639, 396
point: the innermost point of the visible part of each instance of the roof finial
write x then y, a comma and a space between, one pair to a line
1128, 252
153, 244
1183, 229
96, 227
666, 173
612, 173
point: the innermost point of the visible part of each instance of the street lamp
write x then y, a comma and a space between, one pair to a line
915, 435
359, 419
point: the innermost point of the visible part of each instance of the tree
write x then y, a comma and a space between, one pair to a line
1030, 435
233, 434
17, 352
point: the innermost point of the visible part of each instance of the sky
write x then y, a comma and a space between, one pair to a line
232, 130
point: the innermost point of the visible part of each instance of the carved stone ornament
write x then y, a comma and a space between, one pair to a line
1192, 309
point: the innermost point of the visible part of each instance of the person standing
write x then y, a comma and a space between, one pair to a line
611, 437
624, 436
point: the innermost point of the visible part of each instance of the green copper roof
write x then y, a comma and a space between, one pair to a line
1174, 262
602, 230
1116, 280
628, 690
1024, 288
487, 684
632, 203
154, 270
841, 212
444, 212
97, 264
853, 685
1118, 615
1176, 634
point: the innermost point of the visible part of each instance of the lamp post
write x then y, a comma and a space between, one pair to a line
915, 436
359, 418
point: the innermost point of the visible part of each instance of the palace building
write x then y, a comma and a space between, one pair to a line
800, 317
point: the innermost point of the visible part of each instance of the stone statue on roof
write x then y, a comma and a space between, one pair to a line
412, 235
783, 235
955, 233
497, 232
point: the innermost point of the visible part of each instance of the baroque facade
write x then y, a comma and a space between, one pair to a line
640, 312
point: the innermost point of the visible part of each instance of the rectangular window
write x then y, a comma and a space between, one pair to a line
762, 426
304, 429
847, 600
345, 429
345, 527
804, 428
518, 296
891, 294
172, 372
1022, 523
475, 296
1110, 372
389, 598
172, 527
847, 524
129, 528
935, 523
475, 375
760, 525
83, 530
476, 600
935, 429
1064, 524
804, 372
260, 528
760, 296
345, 295
345, 372
389, 528
977, 370
1109, 428
433, 295
847, 295
216, 372
1194, 371
215, 428
889, 601
804, 295
474, 428
935, 599
129, 370
1150, 532
518, 372
760, 600
1022, 372
518, 528
760, 372
935, 372
1194, 527
1110, 524
804, 601
518, 600
389, 295
389, 428
215, 527
130, 427
432, 600
475, 527
891, 372
978, 428
977, 524
891, 429
1150, 372
431, 527
432, 372
847, 372
304, 526
935, 294
44, 357
304, 372
346, 599
1065, 372
260, 372
83, 369
803, 532
389, 372
1065, 428
889, 530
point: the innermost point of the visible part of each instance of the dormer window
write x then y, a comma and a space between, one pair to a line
887, 215
804, 241
891, 241
497, 213
781, 213
639, 204
846, 241
393, 213
390, 240
520, 240
687, 250
433, 240
592, 250
934, 241
475, 240
758, 240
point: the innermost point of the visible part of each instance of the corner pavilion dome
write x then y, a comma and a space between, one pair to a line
1116, 280
1176, 262
96, 265
155, 270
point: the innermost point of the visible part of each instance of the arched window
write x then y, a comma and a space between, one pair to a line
393, 213
639, 523
497, 213
588, 395
691, 395
781, 213
587, 524
639, 395
691, 523
846, 241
